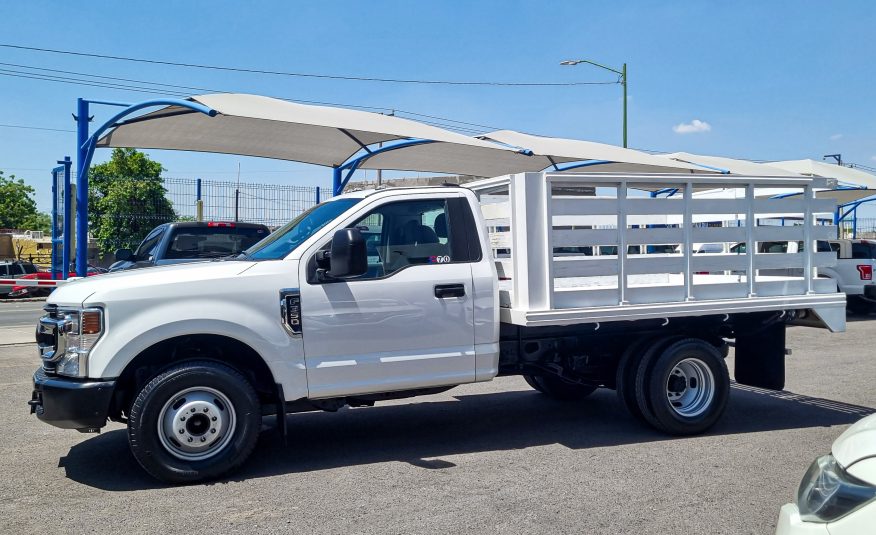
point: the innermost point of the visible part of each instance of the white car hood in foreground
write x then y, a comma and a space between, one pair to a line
76, 292
855, 449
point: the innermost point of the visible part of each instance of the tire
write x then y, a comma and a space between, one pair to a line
625, 375
557, 388
683, 390
207, 396
859, 306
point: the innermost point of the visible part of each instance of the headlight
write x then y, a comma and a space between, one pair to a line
82, 328
828, 492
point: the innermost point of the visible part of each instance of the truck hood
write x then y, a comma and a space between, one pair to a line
857, 444
77, 292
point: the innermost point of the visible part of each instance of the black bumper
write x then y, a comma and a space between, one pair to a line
70, 403
870, 292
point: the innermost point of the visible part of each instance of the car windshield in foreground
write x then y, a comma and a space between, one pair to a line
285, 239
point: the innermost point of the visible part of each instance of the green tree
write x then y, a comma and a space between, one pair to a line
126, 200
18, 208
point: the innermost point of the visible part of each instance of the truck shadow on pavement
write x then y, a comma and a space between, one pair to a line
416, 433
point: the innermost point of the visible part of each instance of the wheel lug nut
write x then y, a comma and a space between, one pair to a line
181, 431
206, 409
214, 418
193, 409
190, 439
182, 419
212, 430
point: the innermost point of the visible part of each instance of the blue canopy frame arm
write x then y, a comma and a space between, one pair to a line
85, 145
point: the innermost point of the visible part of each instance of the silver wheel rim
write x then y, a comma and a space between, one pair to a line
196, 423
690, 387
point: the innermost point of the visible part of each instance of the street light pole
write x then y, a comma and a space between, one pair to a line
623, 81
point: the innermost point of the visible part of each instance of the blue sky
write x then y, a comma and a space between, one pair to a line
773, 80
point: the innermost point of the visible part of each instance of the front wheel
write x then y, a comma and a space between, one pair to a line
195, 421
558, 388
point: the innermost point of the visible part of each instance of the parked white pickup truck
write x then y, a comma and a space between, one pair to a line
853, 273
452, 285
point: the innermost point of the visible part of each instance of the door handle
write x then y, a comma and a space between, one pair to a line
443, 291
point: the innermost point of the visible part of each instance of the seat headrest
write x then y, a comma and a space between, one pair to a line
441, 225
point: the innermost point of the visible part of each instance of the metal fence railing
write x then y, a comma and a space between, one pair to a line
864, 228
269, 204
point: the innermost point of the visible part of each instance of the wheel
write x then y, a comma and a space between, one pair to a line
626, 373
557, 388
859, 306
683, 390
193, 422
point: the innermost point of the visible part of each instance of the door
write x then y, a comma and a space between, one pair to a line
408, 322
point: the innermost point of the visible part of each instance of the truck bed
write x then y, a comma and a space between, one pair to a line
542, 283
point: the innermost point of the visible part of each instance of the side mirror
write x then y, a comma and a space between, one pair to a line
123, 255
348, 256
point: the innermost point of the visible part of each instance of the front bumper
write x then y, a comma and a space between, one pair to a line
790, 523
71, 403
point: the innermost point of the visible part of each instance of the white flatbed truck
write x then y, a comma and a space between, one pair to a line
402, 292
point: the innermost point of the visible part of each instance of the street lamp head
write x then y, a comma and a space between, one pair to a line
570, 62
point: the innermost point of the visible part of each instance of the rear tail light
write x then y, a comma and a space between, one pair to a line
866, 272
222, 225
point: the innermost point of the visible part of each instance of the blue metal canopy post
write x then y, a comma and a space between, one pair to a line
85, 146
67, 232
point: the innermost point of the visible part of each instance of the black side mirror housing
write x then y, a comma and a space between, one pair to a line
348, 254
123, 255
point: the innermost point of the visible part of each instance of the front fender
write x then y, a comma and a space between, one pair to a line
131, 330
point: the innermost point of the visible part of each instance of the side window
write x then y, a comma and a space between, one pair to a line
863, 251
835, 247
29, 268
405, 233
149, 244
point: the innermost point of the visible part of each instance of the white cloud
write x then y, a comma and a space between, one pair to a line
692, 127
835, 137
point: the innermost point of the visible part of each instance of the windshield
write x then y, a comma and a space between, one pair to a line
285, 239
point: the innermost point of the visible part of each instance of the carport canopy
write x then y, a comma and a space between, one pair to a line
254, 125
594, 157
847, 175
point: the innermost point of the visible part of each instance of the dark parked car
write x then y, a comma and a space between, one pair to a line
14, 269
174, 243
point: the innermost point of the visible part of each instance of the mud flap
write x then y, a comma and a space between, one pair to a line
760, 357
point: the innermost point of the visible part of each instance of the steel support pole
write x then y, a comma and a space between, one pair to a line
68, 231
81, 187
317, 195
337, 187
54, 260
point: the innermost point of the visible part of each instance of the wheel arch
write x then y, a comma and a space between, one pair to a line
163, 354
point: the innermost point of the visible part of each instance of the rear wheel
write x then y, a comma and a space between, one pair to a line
683, 390
558, 388
859, 306
625, 380
193, 422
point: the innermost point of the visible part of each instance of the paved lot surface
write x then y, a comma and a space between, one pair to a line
487, 458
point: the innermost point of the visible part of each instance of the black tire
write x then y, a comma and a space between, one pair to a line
859, 306
625, 375
653, 383
557, 388
232, 449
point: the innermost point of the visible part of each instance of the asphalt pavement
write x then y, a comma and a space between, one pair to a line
486, 458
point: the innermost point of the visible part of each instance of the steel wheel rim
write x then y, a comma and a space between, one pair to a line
690, 387
196, 423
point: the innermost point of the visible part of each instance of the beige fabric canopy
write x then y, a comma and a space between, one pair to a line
254, 125
815, 168
617, 159
733, 166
